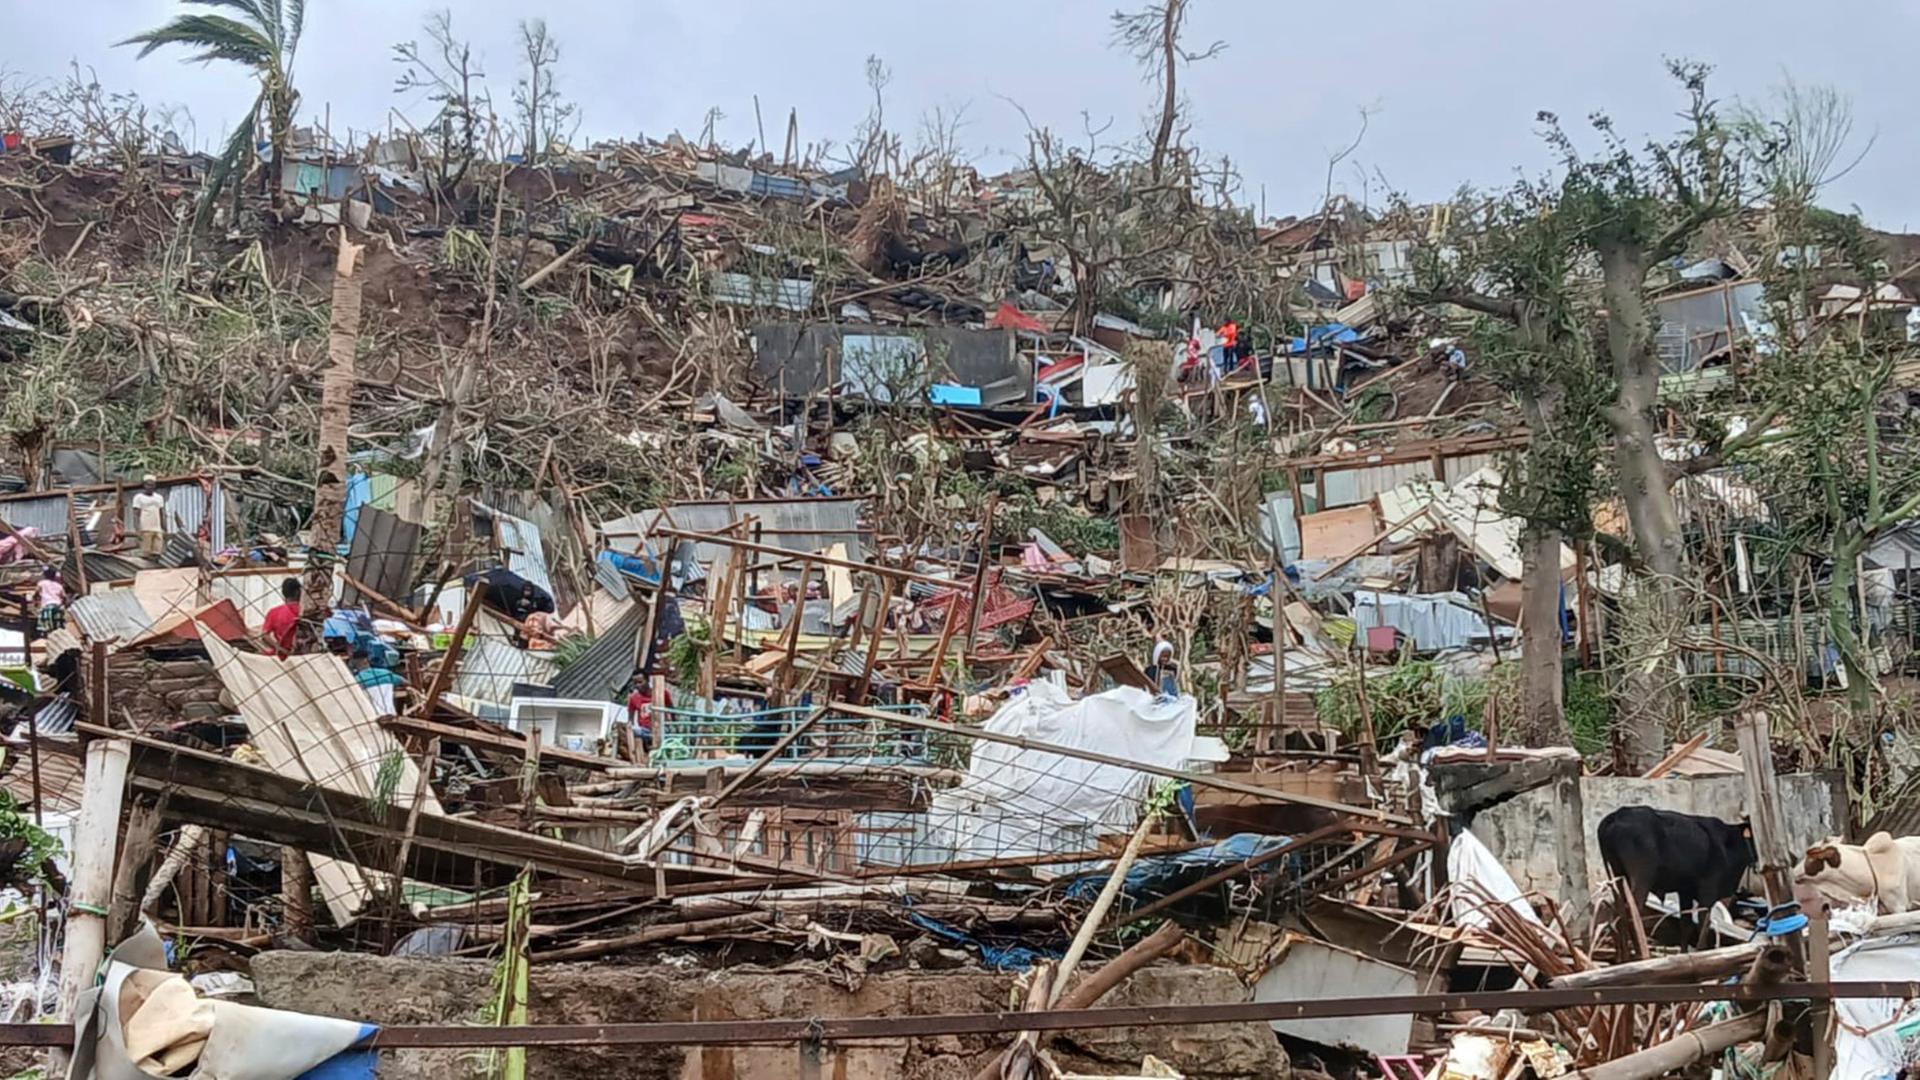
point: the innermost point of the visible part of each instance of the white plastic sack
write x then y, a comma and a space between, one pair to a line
1872, 1034
1470, 864
1017, 801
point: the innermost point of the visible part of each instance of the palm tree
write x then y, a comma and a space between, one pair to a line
263, 38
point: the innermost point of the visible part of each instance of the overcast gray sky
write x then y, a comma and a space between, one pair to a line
1452, 85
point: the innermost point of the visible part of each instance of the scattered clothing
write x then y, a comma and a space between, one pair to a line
14, 548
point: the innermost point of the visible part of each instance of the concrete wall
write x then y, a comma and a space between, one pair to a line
1521, 830
434, 991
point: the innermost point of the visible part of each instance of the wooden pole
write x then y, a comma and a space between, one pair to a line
184, 845
1820, 970
443, 675
136, 850
873, 642
1677, 1053
103, 787
296, 895
1763, 807
790, 644
979, 576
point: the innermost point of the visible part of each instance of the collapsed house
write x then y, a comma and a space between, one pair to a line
935, 674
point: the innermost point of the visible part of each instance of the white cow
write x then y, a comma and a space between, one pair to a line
1884, 871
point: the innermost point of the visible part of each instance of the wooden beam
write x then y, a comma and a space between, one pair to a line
788, 555
443, 675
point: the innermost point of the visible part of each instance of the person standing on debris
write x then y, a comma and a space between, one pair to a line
378, 682
283, 620
150, 517
52, 602
1448, 356
1162, 669
640, 716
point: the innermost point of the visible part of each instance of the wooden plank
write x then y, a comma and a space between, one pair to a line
1330, 534
205, 788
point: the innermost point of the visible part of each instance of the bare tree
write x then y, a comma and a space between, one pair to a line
544, 113
1798, 140
871, 134
446, 71
1152, 36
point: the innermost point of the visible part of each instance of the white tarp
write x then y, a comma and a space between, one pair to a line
1872, 1036
1479, 878
1018, 801
143, 1021
309, 720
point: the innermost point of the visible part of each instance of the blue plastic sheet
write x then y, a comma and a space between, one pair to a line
1158, 875
632, 564
997, 957
349, 1064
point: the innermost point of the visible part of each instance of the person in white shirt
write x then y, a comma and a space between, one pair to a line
150, 518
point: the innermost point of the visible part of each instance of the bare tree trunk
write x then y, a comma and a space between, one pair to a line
1849, 639
1170, 101
1543, 718
1651, 692
336, 409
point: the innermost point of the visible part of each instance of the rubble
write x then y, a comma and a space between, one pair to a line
706, 588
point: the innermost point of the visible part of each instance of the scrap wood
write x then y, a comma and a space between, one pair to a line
1679, 1052
399, 612
1102, 980
753, 920
1370, 544
1679, 754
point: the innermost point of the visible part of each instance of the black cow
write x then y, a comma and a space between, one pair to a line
1702, 859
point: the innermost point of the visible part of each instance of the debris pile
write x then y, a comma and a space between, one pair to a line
705, 559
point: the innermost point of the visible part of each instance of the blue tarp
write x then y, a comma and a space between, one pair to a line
632, 564
952, 394
997, 957
1158, 875
359, 493
1318, 336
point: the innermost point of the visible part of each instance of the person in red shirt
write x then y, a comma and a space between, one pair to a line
640, 716
283, 620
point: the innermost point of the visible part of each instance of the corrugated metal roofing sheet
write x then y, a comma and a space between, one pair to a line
47, 513
801, 525
384, 548
490, 666
599, 673
520, 544
791, 294
112, 615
